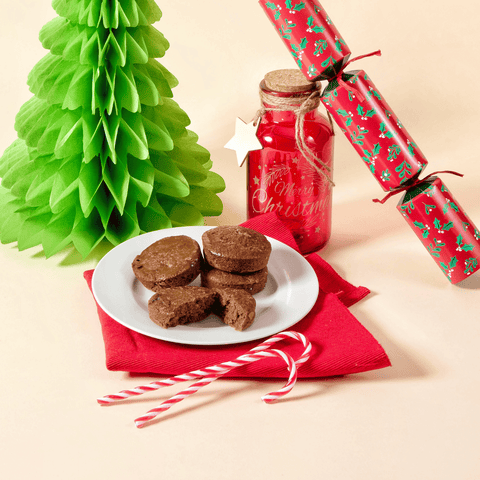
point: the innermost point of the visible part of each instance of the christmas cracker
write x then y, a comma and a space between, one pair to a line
373, 129
443, 227
310, 36
378, 136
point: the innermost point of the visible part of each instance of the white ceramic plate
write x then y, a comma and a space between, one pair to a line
290, 293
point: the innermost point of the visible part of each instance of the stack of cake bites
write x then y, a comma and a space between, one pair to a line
235, 257
234, 268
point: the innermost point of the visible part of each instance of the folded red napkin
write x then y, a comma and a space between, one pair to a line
341, 345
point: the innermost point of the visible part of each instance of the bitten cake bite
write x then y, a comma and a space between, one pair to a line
235, 307
251, 282
181, 305
170, 262
236, 249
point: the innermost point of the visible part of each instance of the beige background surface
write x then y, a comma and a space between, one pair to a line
416, 420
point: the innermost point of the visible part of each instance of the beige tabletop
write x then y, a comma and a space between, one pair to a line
418, 419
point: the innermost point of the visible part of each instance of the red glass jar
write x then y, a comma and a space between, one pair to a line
279, 177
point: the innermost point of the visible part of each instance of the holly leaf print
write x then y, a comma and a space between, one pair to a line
360, 111
453, 262
385, 132
274, 7
448, 226
338, 45
467, 247
296, 8
376, 149
343, 113
368, 155
312, 27
376, 94
411, 149
449, 205
301, 46
438, 225
423, 228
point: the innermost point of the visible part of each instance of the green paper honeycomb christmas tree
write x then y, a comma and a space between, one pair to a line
103, 150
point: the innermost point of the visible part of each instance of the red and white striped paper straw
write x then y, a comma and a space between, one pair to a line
209, 374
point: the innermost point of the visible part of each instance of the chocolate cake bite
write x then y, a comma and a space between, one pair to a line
170, 262
181, 305
236, 249
251, 282
235, 307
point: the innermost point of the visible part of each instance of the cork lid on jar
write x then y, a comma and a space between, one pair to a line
288, 81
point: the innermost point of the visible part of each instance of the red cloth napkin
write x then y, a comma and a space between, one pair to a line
341, 345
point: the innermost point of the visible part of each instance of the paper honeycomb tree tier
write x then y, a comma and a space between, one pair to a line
103, 150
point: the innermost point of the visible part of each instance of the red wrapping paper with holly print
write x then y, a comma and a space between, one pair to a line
310, 36
373, 129
442, 226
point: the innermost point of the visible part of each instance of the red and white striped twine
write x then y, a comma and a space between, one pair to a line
209, 374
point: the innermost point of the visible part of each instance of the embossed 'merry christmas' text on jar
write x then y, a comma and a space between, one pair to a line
292, 173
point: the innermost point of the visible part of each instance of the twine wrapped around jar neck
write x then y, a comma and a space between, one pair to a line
300, 106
